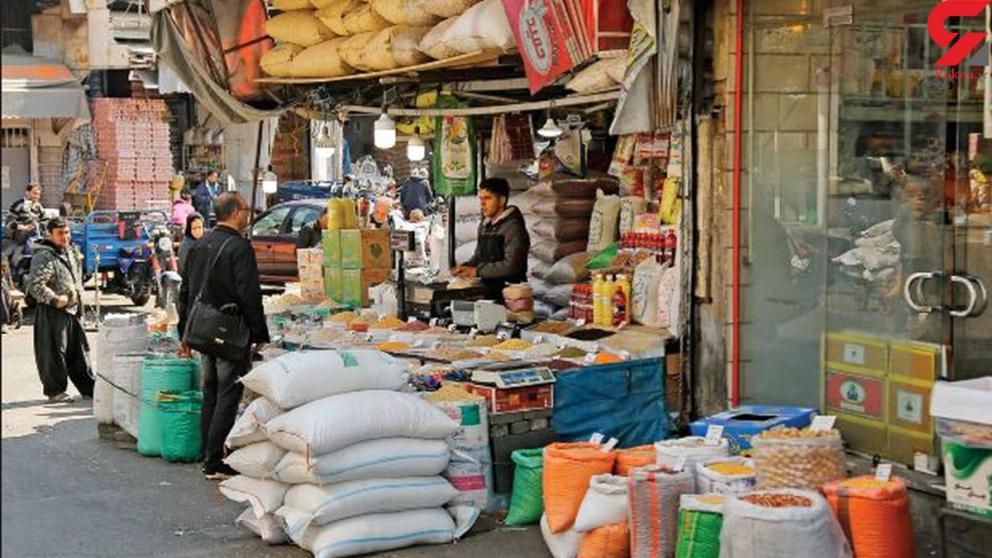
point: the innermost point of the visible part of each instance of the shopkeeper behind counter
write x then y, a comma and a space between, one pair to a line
501, 253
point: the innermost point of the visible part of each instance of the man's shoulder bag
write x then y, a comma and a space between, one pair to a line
213, 331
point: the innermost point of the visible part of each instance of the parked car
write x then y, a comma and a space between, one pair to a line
273, 236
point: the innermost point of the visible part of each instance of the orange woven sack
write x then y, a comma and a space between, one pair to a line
637, 456
874, 515
567, 470
608, 541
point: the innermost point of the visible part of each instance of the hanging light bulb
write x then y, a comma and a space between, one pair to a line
384, 135
324, 146
270, 183
415, 148
550, 129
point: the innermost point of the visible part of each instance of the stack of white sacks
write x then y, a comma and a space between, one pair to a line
336, 458
113, 394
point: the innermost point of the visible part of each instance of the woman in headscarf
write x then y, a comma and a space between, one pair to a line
194, 230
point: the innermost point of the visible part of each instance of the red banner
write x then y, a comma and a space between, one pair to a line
543, 38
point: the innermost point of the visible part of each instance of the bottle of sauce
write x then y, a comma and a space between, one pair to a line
597, 304
606, 315
620, 303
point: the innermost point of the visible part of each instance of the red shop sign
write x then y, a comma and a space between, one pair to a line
542, 38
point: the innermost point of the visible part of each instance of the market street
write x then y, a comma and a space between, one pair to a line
68, 493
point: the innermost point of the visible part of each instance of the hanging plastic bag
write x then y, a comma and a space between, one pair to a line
454, 153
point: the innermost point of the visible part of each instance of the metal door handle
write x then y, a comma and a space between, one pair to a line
908, 289
979, 296
973, 297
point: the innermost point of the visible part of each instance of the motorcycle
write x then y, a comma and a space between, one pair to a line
164, 265
13, 298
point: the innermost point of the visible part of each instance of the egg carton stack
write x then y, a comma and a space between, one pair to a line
335, 458
132, 142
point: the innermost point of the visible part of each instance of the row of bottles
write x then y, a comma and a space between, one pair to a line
611, 300
663, 244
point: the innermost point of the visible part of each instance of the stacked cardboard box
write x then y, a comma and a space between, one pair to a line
354, 260
310, 267
132, 141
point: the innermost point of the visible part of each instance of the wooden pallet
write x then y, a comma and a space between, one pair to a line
470, 59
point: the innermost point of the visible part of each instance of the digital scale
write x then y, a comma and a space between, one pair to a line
513, 378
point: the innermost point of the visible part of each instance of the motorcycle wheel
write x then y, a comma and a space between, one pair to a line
139, 285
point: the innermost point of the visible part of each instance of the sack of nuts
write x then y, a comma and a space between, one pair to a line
781, 523
794, 458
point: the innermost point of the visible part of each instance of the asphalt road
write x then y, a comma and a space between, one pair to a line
67, 492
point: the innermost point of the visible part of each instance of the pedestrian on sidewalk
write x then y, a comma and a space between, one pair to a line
221, 271
192, 233
204, 199
61, 350
182, 208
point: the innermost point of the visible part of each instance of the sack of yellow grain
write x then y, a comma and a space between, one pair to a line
352, 50
448, 8
395, 47
726, 475
363, 19
278, 62
287, 5
299, 27
321, 61
405, 12
333, 13
323, 3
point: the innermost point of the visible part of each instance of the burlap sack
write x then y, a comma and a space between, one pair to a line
352, 50
299, 27
321, 61
287, 5
363, 19
278, 62
396, 47
405, 12
448, 8
332, 14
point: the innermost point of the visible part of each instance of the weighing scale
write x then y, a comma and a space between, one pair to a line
433, 300
514, 378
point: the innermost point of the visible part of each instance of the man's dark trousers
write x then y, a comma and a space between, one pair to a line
61, 351
221, 397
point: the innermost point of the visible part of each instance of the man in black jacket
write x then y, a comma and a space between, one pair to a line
233, 279
501, 253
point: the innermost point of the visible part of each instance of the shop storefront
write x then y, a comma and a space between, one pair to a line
866, 232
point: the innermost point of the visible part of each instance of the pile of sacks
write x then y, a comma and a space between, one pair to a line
333, 38
115, 393
336, 458
568, 219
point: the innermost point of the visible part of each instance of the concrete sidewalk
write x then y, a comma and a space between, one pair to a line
68, 493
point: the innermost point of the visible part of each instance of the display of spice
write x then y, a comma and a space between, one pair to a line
604, 357
559, 364
394, 346
389, 322
452, 391
513, 345
415, 325
282, 303
451, 354
551, 326
498, 356
774, 500
344, 317
571, 352
590, 334
541, 350
484, 341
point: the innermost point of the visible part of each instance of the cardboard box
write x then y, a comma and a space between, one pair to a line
967, 470
365, 249
331, 242
920, 361
856, 353
333, 285
961, 410
864, 435
351, 287
909, 406
846, 392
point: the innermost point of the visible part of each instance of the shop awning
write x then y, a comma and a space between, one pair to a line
35, 87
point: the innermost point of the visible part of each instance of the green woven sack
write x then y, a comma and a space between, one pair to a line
527, 499
160, 373
180, 422
699, 534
